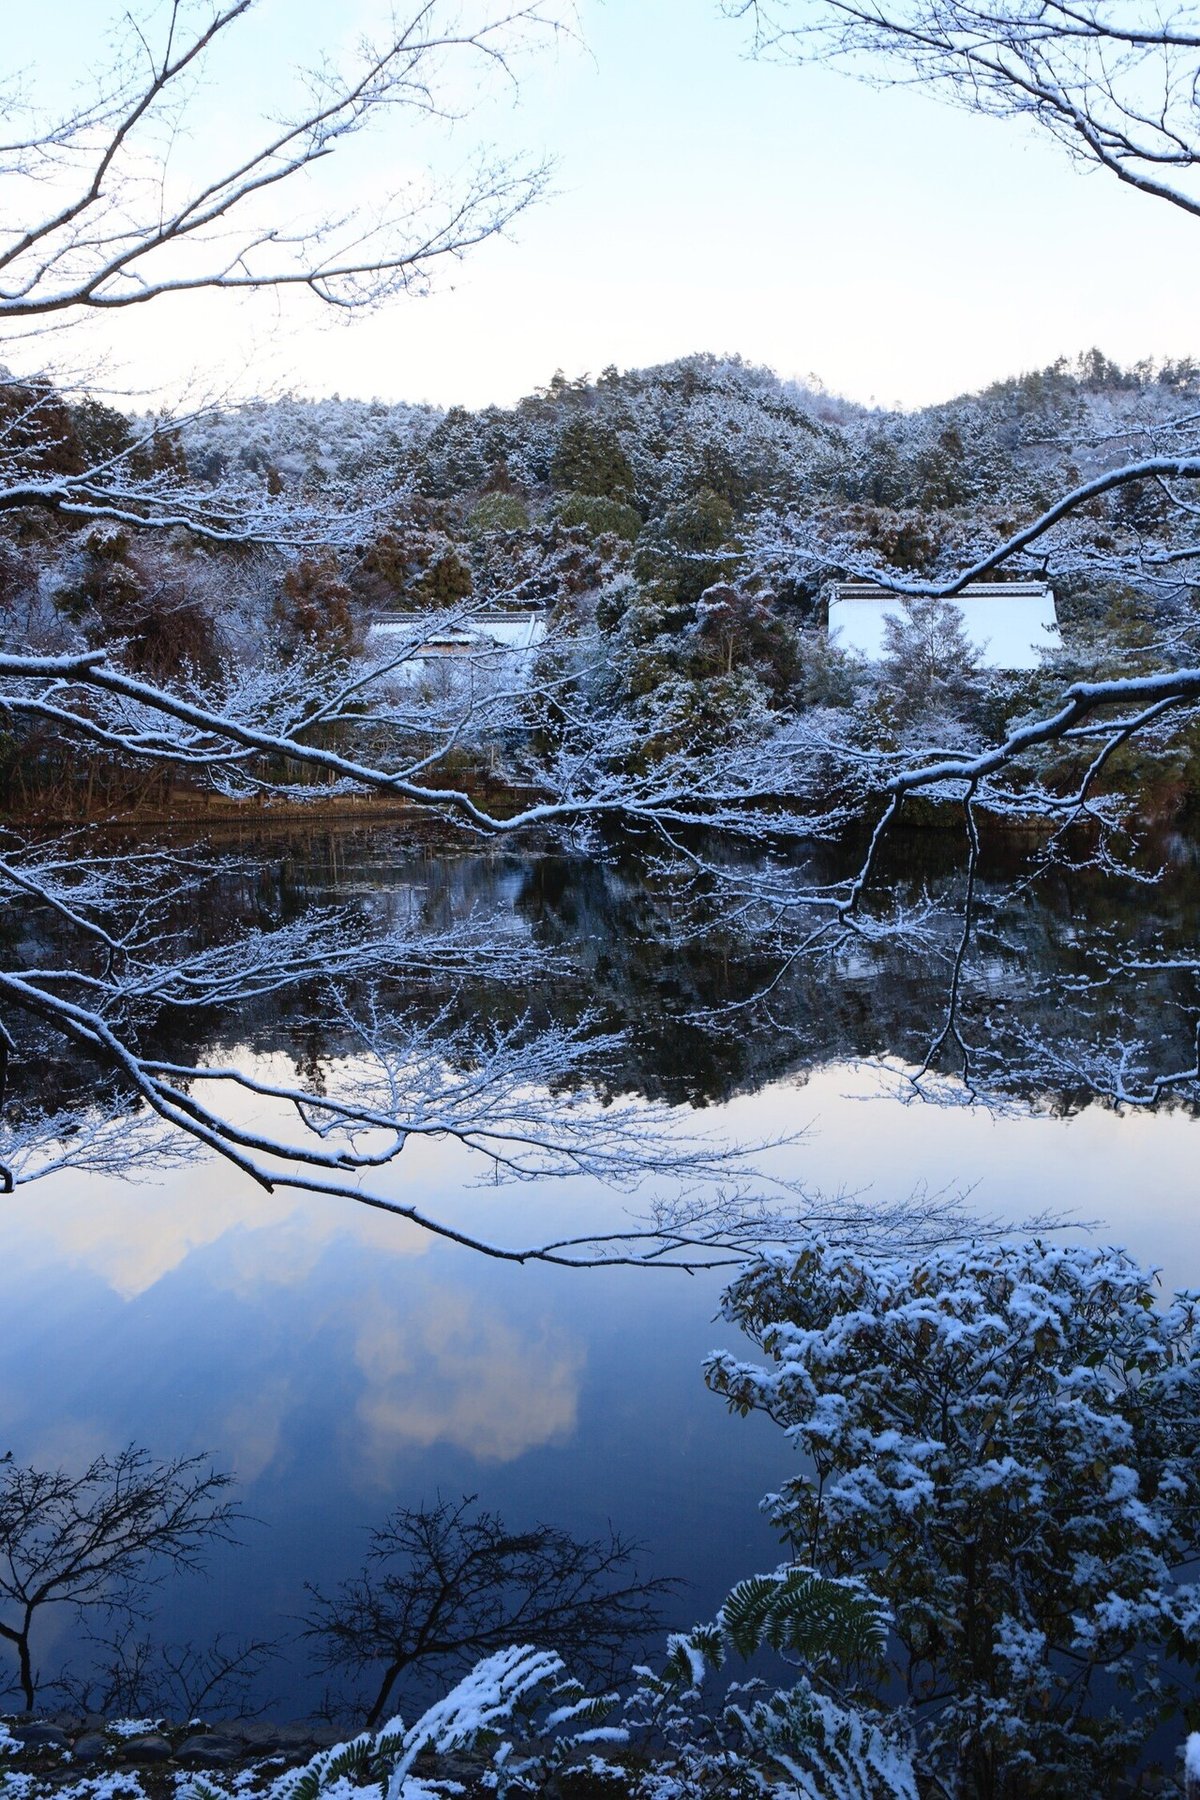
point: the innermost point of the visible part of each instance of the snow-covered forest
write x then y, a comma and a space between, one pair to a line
622, 847
677, 531
678, 528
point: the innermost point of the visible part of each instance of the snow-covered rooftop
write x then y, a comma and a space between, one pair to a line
1010, 623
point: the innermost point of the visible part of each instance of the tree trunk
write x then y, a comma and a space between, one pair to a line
381, 1699
26, 1667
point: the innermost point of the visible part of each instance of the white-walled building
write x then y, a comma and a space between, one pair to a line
486, 648
1010, 623
483, 631
463, 675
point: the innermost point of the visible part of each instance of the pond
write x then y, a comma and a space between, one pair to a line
342, 1363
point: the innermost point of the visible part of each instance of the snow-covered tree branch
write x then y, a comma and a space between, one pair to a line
103, 216
1114, 83
183, 606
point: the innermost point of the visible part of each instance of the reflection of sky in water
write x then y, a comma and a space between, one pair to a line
341, 1363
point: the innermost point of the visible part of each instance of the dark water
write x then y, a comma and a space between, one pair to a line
342, 1364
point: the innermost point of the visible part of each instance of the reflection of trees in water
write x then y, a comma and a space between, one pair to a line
713, 1006
708, 1004
94, 1541
262, 884
666, 969
442, 1586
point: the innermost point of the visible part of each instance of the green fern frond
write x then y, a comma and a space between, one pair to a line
198, 1788
386, 1752
816, 1617
583, 1712
352, 1760
836, 1751
690, 1656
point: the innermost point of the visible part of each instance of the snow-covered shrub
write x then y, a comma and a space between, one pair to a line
825, 1741
1005, 1443
1191, 1765
828, 1750
519, 1708
530, 1729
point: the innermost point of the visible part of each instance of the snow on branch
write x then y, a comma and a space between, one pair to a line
123, 228
1112, 81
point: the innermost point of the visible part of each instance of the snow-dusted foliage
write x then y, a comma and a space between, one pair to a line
531, 1729
1191, 1764
189, 607
308, 442
1004, 1444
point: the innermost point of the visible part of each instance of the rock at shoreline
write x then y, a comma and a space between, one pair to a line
151, 1747
90, 1747
38, 1734
208, 1749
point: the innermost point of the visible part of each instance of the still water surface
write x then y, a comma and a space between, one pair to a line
343, 1364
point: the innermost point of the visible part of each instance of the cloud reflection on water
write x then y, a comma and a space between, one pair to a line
453, 1369
341, 1363
132, 1236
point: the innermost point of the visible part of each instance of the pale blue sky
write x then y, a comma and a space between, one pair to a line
900, 250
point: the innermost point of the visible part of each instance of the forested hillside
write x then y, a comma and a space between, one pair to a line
679, 528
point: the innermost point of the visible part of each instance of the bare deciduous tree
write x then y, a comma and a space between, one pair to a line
122, 199
100, 217
99, 1540
132, 1674
447, 1584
